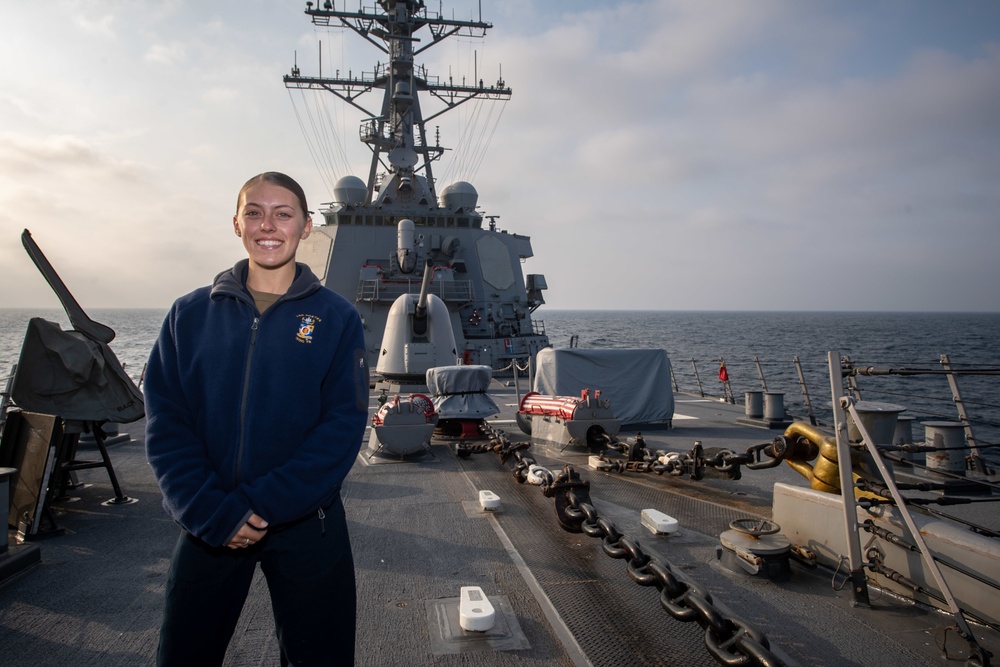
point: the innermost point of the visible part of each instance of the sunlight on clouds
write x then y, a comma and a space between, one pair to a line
760, 126
50, 155
774, 132
65, 180
17, 105
790, 162
85, 208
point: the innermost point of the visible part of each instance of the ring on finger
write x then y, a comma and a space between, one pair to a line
246, 542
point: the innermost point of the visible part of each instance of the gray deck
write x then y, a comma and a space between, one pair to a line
419, 536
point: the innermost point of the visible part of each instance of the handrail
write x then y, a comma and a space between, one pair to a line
941, 401
850, 511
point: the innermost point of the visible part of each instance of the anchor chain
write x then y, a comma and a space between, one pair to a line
693, 463
729, 639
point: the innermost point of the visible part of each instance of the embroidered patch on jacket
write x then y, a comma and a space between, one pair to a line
307, 327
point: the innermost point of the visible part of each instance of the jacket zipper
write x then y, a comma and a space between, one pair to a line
243, 400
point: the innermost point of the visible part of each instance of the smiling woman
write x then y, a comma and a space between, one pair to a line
251, 429
271, 217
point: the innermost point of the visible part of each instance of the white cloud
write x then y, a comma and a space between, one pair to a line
114, 229
173, 53
100, 27
675, 152
221, 96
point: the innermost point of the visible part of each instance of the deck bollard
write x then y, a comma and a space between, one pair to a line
950, 435
879, 419
754, 404
774, 406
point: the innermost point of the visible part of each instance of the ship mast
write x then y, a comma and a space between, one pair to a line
397, 134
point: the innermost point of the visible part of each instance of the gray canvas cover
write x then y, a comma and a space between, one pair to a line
637, 381
65, 373
459, 392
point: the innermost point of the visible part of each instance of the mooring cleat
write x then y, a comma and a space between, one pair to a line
489, 501
475, 611
658, 522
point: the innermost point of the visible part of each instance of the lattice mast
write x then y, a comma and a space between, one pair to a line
397, 134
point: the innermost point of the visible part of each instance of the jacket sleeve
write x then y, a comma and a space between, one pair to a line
193, 494
312, 476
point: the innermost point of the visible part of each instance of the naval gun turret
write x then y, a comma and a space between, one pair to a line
418, 336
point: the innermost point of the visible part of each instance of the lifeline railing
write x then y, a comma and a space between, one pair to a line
987, 421
844, 405
580, 515
739, 370
925, 405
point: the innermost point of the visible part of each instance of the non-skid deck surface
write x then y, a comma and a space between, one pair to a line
419, 536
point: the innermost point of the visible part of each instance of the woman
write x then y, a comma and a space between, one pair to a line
256, 403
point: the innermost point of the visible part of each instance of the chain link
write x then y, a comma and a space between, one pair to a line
729, 639
692, 463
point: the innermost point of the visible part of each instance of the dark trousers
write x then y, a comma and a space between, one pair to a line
310, 575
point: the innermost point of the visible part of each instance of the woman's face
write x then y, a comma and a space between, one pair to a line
271, 223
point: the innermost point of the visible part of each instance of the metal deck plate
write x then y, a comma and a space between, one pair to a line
447, 635
594, 597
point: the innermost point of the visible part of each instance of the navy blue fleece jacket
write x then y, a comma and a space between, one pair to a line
249, 413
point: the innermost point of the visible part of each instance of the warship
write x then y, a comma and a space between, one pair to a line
601, 514
381, 234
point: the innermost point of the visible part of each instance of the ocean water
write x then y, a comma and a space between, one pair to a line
697, 342
135, 333
760, 348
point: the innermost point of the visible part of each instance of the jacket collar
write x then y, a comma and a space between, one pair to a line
233, 283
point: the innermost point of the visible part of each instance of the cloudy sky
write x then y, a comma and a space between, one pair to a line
661, 154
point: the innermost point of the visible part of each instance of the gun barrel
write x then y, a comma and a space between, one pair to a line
421, 311
77, 316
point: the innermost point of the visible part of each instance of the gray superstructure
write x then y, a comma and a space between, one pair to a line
363, 252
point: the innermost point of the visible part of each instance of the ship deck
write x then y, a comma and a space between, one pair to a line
419, 535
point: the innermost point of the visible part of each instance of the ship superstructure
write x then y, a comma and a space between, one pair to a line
380, 235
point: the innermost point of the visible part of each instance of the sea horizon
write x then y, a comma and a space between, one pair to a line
783, 351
